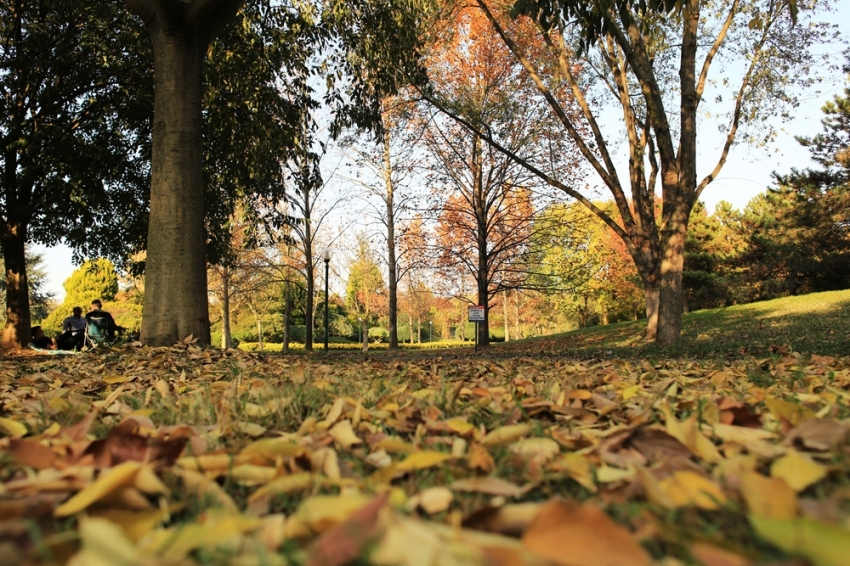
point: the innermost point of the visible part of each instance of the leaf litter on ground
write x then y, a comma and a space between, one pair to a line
186, 455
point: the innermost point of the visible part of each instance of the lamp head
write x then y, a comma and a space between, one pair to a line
326, 254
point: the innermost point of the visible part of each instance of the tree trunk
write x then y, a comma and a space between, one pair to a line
364, 335
17, 331
308, 311
672, 264
462, 325
516, 315
287, 313
389, 200
505, 315
651, 295
226, 340
175, 272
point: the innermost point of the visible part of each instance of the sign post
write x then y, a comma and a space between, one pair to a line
476, 315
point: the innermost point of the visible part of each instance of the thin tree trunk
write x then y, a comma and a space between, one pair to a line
175, 271
389, 200
17, 330
505, 316
308, 311
226, 340
287, 313
364, 334
516, 315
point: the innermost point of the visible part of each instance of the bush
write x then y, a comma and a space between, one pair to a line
378, 335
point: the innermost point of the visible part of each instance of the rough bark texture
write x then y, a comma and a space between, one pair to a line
672, 265
175, 272
17, 330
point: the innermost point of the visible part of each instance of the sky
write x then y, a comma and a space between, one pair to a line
747, 172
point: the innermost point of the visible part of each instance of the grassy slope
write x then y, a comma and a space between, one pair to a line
818, 323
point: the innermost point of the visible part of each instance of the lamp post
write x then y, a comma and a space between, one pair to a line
326, 257
430, 331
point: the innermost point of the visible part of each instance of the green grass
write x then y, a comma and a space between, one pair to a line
818, 323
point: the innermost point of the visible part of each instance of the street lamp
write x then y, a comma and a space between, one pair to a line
326, 257
430, 331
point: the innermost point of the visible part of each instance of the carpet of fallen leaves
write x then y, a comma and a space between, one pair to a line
197, 456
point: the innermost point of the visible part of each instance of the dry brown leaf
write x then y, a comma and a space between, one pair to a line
581, 535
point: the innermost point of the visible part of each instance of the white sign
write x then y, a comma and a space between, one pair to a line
476, 314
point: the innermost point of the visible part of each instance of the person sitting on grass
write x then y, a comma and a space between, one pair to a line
39, 340
104, 321
73, 331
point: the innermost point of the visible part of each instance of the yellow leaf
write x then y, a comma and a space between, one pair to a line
218, 527
630, 392
297, 375
607, 474
113, 379
768, 497
344, 435
460, 426
739, 434
320, 512
689, 488
251, 474
135, 524
147, 481
287, 484
251, 429
333, 414
395, 446
798, 471
422, 460
824, 545
269, 449
121, 475
576, 467
543, 449
432, 500
653, 490
792, 412
104, 544
491, 486
13, 428
505, 434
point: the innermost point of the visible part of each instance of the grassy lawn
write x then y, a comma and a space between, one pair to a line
585, 448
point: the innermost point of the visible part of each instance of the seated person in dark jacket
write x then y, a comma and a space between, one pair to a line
73, 331
102, 321
42, 341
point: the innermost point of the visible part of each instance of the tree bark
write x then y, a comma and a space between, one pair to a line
226, 340
287, 310
17, 330
505, 315
389, 200
175, 271
672, 264
308, 312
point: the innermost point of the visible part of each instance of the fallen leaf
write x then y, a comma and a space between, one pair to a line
344, 435
422, 460
432, 500
768, 497
110, 480
505, 434
688, 488
824, 545
581, 535
491, 486
798, 470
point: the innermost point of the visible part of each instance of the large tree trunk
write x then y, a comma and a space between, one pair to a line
226, 340
672, 264
175, 272
17, 331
